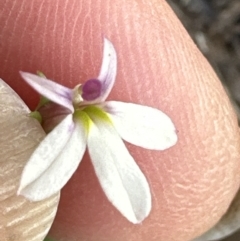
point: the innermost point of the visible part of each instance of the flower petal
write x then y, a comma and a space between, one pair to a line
142, 125
61, 170
109, 66
108, 70
49, 89
120, 177
46, 152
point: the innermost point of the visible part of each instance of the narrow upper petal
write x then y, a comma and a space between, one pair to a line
109, 66
120, 177
142, 125
49, 89
47, 151
61, 169
108, 70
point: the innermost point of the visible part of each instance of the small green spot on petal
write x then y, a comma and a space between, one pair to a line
36, 115
41, 74
82, 117
43, 101
94, 111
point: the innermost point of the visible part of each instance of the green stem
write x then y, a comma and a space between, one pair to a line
48, 239
36, 115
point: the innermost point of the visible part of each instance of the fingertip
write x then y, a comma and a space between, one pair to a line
193, 182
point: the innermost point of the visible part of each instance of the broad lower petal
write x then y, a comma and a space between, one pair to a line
108, 70
46, 152
142, 125
49, 89
61, 169
120, 177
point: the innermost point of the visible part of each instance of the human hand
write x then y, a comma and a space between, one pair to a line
192, 183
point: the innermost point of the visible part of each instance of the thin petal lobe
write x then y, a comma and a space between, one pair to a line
53, 91
108, 71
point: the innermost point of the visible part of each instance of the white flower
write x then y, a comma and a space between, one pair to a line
90, 121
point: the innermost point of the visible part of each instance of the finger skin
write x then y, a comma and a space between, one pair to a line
192, 183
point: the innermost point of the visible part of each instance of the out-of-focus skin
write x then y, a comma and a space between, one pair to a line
20, 219
193, 182
228, 224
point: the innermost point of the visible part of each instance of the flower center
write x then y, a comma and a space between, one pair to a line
91, 89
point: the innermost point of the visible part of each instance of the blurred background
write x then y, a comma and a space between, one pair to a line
214, 25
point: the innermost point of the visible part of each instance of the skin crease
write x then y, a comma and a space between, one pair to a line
193, 182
